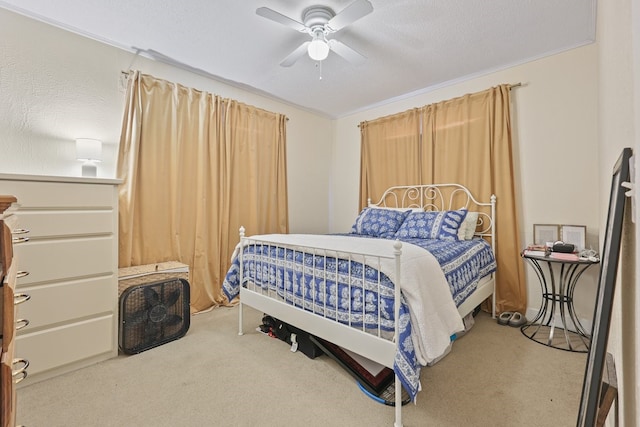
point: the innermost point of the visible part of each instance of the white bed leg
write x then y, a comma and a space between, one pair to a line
493, 305
398, 422
240, 331
241, 233
397, 252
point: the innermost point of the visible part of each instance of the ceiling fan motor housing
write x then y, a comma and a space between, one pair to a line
316, 18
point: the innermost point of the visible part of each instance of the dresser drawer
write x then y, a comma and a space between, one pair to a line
51, 224
54, 260
59, 195
58, 303
62, 345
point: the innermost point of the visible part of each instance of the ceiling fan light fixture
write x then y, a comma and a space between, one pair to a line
318, 49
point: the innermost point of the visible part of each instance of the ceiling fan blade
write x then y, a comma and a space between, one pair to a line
351, 13
346, 52
295, 55
265, 12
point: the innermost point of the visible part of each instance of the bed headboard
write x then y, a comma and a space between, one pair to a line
439, 197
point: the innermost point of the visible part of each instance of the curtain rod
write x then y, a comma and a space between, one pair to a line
515, 85
124, 73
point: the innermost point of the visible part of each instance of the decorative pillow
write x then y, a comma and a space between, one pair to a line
442, 225
379, 222
468, 227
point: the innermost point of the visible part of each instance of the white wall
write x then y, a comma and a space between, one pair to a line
619, 64
57, 86
554, 121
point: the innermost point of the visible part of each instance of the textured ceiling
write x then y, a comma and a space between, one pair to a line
411, 46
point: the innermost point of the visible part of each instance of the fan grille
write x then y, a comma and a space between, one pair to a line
153, 314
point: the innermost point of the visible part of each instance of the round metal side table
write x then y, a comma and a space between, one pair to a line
558, 285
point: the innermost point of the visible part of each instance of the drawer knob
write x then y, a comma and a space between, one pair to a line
23, 362
21, 323
17, 377
20, 274
20, 373
20, 298
19, 231
17, 240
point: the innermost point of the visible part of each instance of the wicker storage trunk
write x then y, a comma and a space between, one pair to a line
153, 305
132, 276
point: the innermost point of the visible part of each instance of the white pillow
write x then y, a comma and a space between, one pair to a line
468, 227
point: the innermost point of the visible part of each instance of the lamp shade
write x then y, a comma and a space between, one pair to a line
318, 49
88, 149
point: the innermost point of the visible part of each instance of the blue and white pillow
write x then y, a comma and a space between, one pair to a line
379, 222
442, 225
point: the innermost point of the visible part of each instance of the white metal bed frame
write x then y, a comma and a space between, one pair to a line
373, 346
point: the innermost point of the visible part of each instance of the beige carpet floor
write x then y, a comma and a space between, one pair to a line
494, 376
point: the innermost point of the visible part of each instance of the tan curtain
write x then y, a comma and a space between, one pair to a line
390, 154
181, 169
467, 140
255, 169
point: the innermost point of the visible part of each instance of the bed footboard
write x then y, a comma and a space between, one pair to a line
331, 294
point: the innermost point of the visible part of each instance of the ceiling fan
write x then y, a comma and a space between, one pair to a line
319, 22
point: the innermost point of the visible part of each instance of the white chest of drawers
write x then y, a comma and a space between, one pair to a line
72, 263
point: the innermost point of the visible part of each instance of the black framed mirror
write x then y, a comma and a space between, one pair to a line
589, 403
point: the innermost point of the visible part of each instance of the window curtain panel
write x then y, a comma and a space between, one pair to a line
254, 174
390, 154
181, 169
468, 140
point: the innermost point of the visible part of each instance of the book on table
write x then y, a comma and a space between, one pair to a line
530, 252
565, 256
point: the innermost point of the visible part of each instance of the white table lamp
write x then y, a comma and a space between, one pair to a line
89, 151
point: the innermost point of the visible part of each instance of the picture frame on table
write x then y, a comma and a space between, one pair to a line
575, 235
543, 233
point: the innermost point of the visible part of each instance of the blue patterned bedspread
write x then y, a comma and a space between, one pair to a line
309, 282
464, 263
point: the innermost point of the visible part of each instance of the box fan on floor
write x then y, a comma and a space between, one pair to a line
154, 305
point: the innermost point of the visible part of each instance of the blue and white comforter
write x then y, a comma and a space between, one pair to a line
428, 314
